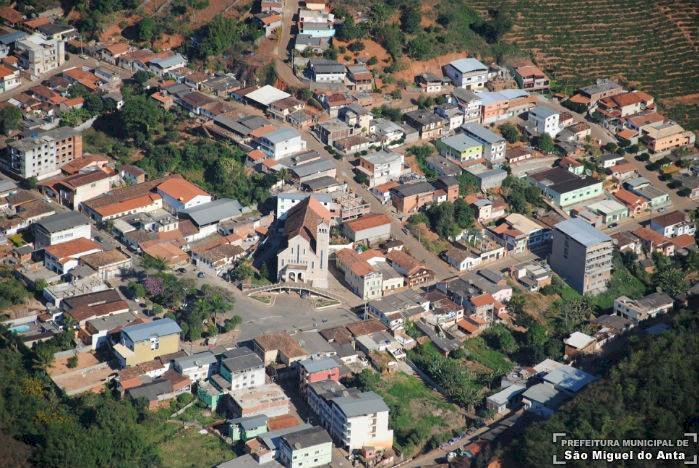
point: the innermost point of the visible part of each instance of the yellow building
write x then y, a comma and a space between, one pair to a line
146, 341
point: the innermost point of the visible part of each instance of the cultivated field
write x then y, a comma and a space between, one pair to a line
649, 43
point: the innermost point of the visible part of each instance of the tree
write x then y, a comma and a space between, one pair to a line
43, 356
72, 361
141, 77
141, 118
672, 280
572, 313
31, 183
421, 47
40, 285
150, 263
220, 35
509, 132
410, 18
10, 119
145, 30
545, 143
136, 290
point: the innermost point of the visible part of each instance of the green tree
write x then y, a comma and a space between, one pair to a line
672, 280
43, 356
136, 290
150, 263
509, 132
410, 17
10, 119
146, 29
545, 143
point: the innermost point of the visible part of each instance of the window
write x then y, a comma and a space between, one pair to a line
154, 343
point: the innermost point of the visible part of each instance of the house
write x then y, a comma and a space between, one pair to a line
97, 330
9, 78
639, 122
672, 224
467, 73
179, 194
326, 71
460, 148
578, 132
474, 255
429, 125
638, 310
242, 368
388, 133
654, 242
544, 119
196, 367
487, 179
333, 130
565, 188
603, 88
306, 448
531, 78
83, 308
634, 203
39, 55
485, 208
609, 160
362, 278
443, 167
146, 341
316, 370
113, 52
307, 229
354, 419
164, 65
61, 227
429, 83
280, 143
518, 233
381, 167
269, 21
543, 399
568, 379
625, 104
581, 255
359, 78
371, 228
494, 146
109, 264
315, 44
452, 114
247, 427
409, 198
269, 400
356, 116
469, 103
579, 343
627, 242
503, 401
414, 272
278, 347
161, 390
662, 137
503, 104
74, 189
611, 211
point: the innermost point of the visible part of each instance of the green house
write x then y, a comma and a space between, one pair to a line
460, 147
247, 427
210, 391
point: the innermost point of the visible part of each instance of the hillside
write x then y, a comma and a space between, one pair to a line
652, 44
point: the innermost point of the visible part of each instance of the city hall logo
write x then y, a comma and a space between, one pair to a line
612, 451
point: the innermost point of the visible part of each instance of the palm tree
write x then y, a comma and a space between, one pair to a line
43, 357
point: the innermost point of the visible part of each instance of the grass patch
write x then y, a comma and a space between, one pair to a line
263, 298
623, 283
420, 417
186, 448
479, 351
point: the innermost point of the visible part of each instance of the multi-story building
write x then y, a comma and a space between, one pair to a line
638, 310
242, 368
504, 104
665, 136
428, 124
494, 145
354, 419
409, 198
306, 448
39, 55
61, 227
326, 71
545, 120
316, 370
146, 341
74, 189
467, 73
280, 143
9, 78
305, 250
196, 367
460, 147
582, 255
518, 233
42, 155
531, 78
381, 167
363, 280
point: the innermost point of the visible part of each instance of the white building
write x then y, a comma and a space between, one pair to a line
39, 56
288, 200
494, 146
647, 307
545, 120
179, 194
196, 367
281, 143
9, 78
501, 401
353, 419
381, 167
243, 368
61, 227
467, 73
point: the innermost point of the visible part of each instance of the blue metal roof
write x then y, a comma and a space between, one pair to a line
582, 232
143, 331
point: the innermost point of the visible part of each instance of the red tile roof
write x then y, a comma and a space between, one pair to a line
367, 222
181, 189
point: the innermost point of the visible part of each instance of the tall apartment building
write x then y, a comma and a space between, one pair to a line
39, 55
582, 255
42, 155
353, 419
